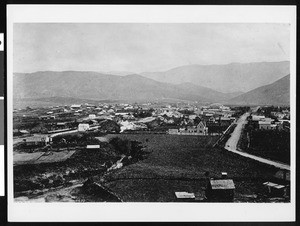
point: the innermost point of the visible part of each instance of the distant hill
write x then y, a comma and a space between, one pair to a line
277, 93
121, 73
234, 77
97, 86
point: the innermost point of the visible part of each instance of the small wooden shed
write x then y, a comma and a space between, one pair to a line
93, 146
276, 190
185, 197
220, 190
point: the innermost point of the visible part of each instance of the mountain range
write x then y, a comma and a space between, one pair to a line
234, 77
277, 93
93, 85
99, 86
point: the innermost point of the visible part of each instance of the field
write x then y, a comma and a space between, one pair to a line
178, 163
273, 144
42, 157
52, 171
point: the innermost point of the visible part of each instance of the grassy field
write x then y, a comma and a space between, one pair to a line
274, 145
178, 163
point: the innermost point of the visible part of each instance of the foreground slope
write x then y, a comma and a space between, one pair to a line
179, 163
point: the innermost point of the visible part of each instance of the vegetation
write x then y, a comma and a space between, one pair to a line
240, 111
74, 140
186, 112
109, 126
143, 113
128, 148
271, 144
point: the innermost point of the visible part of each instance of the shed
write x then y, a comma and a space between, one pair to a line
61, 123
185, 196
92, 116
220, 190
275, 189
264, 125
83, 127
173, 131
76, 106
93, 146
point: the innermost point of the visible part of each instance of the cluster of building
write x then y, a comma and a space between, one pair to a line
281, 115
174, 119
265, 123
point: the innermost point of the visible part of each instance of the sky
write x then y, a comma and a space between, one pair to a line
141, 47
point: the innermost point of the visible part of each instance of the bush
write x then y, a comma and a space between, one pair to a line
128, 148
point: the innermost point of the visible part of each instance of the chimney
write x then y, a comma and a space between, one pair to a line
224, 175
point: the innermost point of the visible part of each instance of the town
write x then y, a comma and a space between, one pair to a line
79, 145
152, 117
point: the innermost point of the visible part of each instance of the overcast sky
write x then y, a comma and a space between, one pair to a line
144, 47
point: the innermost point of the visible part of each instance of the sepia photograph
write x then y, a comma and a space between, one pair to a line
183, 113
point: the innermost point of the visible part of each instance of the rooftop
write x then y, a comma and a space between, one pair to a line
222, 184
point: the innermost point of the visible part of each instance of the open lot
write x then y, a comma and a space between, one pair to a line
41, 157
178, 163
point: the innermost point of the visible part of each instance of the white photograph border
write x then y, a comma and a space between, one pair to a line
91, 212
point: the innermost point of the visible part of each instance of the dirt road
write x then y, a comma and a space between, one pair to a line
231, 145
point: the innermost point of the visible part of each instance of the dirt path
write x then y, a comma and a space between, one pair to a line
231, 145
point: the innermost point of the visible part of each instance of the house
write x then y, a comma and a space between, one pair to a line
173, 131
61, 124
211, 119
257, 117
191, 129
192, 117
126, 125
275, 190
93, 146
201, 128
92, 116
268, 119
265, 125
47, 139
111, 111
43, 117
37, 140
83, 127
220, 190
185, 196
76, 106
23, 131
181, 130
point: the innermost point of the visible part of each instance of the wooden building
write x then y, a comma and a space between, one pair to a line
220, 190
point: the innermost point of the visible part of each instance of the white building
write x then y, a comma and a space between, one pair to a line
257, 117
93, 146
75, 106
264, 125
92, 116
83, 127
